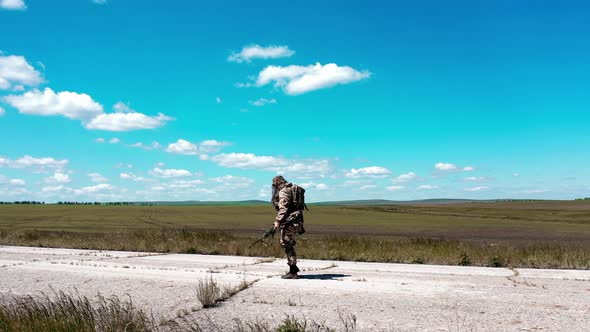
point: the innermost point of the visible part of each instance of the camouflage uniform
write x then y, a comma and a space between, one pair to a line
290, 223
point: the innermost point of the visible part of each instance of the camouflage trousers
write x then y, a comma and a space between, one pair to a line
289, 234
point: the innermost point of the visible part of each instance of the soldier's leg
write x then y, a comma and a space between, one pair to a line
288, 241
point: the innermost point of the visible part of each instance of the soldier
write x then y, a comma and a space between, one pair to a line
288, 199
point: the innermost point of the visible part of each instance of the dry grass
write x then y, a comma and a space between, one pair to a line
66, 312
533, 254
209, 293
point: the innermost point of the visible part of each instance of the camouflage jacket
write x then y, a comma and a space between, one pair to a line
286, 212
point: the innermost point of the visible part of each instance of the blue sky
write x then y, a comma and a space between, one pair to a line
208, 100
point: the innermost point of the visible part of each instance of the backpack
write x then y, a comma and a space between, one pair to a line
298, 197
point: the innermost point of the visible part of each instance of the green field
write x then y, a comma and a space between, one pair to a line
502, 233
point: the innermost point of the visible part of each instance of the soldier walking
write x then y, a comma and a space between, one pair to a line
288, 199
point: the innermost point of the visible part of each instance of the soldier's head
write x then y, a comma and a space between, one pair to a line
278, 180
277, 183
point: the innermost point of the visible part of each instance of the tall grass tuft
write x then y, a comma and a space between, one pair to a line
75, 313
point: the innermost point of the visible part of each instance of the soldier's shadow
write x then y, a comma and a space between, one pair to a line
326, 276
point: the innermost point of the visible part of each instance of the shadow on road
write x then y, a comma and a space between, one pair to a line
327, 276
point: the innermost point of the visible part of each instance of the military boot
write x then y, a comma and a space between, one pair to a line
293, 269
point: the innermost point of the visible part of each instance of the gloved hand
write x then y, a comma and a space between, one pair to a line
276, 225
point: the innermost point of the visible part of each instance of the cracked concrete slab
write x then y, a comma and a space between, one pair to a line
382, 297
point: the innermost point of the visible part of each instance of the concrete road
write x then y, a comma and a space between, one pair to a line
382, 297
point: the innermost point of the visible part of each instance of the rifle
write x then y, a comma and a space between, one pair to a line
270, 232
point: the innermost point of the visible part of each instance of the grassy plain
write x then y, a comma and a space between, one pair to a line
553, 234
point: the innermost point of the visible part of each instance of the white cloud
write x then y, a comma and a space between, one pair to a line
445, 167
13, 4
314, 186
468, 169
212, 146
39, 164
131, 176
2, 111
263, 101
255, 51
93, 189
475, 179
13, 182
301, 79
99, 140
114, 140
394, 188
49, 189
476, 188
185, 147
15, 71
17, 182
170, 173
154, 146
372, 172
72, 105
182, 147
97, 177
230, 179
126, 119
58, 177
273, 164
427, 187
178, 184
405, 177
368, 186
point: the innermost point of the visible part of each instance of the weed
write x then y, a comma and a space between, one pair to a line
465, 261
208, 292
67, 312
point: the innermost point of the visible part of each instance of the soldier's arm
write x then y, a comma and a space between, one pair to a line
283, 206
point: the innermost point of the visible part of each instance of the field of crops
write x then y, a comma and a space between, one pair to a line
537, 234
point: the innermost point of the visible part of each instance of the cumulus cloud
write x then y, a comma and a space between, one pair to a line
114, 140
93, 189
296, 80
37, 164
99, 140
475, 179
154, 146
371, 172
270, 163
263, 101
131, 176
255, 51
12, 182
230, 181
97, 177
126, 119
367, 187
448, 167
406, 177
314, 186
178, 184
445, 167
2, 111
13, 4
394, 188
72, 105
427, 187
170, 173
185, 147
16, 72
58, 177
476, 188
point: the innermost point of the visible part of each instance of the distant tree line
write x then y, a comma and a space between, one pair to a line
21, 202
106, 203
583, 199
80, 203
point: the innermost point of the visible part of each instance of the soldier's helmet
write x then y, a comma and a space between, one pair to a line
278, 180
